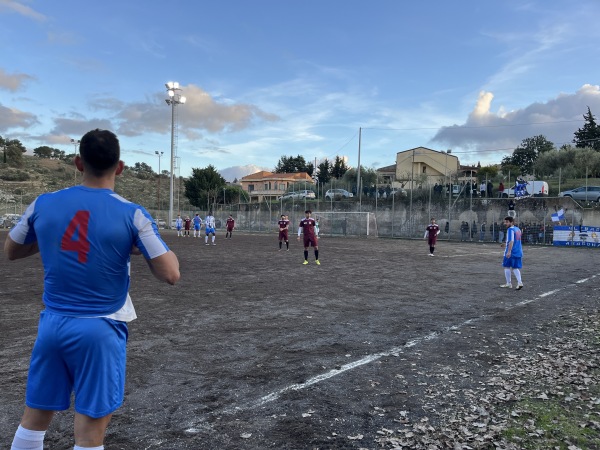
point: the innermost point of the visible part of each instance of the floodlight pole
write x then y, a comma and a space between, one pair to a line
76, 143
159, 154
175, 98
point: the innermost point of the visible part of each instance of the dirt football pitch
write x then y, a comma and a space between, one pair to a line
253, 350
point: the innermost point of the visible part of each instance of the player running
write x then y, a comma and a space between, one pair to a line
197, 224
284, 225
209, 228
307, 226
513, 254
230, 225
431, 233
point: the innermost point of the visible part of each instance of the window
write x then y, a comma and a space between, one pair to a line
250, 187
424, 169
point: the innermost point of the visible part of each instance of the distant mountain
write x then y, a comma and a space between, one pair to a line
231, 173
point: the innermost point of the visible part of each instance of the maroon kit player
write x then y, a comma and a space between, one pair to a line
431, 233
187, 222
284, 225
230, 225
307, 227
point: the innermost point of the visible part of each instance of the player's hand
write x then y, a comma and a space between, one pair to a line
135, 251
298, 238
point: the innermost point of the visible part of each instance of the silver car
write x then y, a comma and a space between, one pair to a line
333, 194
583, 193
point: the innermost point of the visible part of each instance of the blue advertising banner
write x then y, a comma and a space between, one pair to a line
577, 236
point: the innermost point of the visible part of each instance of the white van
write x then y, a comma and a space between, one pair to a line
535, 188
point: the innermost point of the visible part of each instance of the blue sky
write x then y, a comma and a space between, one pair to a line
268, 78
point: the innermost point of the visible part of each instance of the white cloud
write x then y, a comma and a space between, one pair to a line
485, 131
231, 173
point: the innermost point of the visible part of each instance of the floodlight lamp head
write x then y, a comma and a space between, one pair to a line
182, 99
168, 101
171, 93
169, 85
175, 85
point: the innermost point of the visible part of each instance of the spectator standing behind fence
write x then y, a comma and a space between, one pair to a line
482, 189
482, 231
513, 254
500, 190
490, 189
464, 231
473, 230
85, 235
431, 234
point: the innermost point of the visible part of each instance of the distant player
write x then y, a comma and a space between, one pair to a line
187, 223
230, 225
209, 228
307, 227
284, 225
197, 224
431, 233
179, 225
513, 254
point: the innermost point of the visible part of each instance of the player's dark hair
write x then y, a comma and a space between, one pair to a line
100, 151
308, 211
510, 219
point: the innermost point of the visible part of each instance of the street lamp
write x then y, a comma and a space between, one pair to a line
159, 154
175, 98
76, 143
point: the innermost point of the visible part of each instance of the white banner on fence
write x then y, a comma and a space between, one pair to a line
579, 236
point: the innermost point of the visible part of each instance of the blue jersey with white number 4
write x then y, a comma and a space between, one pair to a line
85, 237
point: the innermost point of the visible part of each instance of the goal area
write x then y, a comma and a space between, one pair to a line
346, 223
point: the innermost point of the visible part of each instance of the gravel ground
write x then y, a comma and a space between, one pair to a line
379, 347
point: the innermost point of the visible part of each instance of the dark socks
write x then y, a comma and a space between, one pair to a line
316, 254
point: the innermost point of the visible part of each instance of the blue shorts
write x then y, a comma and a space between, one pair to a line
514, 262
84, 356
210, 230
197, 227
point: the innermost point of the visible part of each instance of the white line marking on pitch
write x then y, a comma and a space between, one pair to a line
374, 357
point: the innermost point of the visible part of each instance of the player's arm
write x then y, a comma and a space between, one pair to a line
14, 250
299, 232
165, 267
426, 233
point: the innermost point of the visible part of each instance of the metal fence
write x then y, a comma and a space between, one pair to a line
460, 219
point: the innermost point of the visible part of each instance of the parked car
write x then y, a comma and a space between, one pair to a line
398, 191
535, 188
9, 220
588, 194
305, 193
336, 194
161, 224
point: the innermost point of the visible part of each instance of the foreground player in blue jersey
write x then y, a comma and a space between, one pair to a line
513, 254
85, 235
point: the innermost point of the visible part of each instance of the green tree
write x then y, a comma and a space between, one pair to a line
487, 173
290, 164
13, 152
43, 152
589, 134
142, 171
58, 154
204, 186
339, 168
324, 174
525, 155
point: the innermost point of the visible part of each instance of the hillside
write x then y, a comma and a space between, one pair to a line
20, 186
